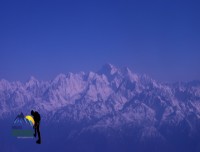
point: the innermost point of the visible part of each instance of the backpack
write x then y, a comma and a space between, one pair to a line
37, 116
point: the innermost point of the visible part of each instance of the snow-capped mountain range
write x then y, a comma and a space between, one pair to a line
109, 98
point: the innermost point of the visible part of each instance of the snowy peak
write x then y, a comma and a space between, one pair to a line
133, 77
32, 82
108, 69
59, 79
113, 73
4, 84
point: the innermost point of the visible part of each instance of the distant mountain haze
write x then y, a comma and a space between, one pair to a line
111, 103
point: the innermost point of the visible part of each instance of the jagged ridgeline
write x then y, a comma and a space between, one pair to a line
114, 104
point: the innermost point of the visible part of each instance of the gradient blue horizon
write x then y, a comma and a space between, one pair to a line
45, 38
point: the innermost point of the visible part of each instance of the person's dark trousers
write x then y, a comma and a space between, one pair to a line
37, 131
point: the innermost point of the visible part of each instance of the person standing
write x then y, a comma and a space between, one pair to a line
37, 118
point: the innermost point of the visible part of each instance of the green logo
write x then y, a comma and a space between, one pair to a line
22, 126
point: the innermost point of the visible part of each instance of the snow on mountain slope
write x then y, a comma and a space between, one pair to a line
111, 97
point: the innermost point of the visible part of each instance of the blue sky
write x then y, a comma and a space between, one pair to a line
44, 38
